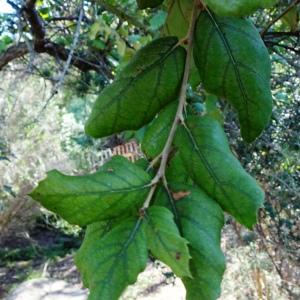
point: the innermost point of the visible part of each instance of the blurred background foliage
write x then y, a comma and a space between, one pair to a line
55, 58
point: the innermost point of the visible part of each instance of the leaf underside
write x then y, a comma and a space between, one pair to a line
234, 64
157, 132
111, 262
182, 227
179, 15
205, 153
146, 85
201, 220
118, 188
165, 242
177, 172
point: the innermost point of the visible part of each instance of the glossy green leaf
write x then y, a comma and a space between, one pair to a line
234, 64
147, 84
206, 155
157, 132
111, 262
237, 8
142, 4
201, 220
118, 188
165, 242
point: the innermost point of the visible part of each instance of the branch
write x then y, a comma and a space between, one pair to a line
272, 39
292, 5
182, 99
66, 66
12, 53
13, 5
35, 22
43, 45
160, 175
281, 34
66, 18
71, 52
83, 62
123, 16
295, 50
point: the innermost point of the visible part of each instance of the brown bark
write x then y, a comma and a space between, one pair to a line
82, 63
12, 53
43, 45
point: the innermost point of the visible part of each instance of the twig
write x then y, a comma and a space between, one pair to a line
12, 53
73, 46
68, 61
42, 44
264, 243
66, 66
182, 100
292, 5
282, 34
179, 114
149, 197
13, 5
123, 16
295, 50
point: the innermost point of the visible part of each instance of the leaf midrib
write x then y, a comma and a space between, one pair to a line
133, 78
210, 170
233, 63
79, 194
158, 233
129, 240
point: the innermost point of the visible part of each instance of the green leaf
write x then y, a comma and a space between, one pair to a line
237, 8
176, 171
98, 44
179, 15
165, 242
44, 12
291, 18
158, 20
194, 77
211, 108
196, 108
234, 64
142, 4
158, 131
148, 83
6, 40
94, 29
94, 232
111, 262
206, 155
201, 220
118, 188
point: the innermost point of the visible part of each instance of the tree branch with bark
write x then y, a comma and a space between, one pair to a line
41, 44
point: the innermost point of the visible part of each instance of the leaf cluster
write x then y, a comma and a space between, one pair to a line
175, 207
